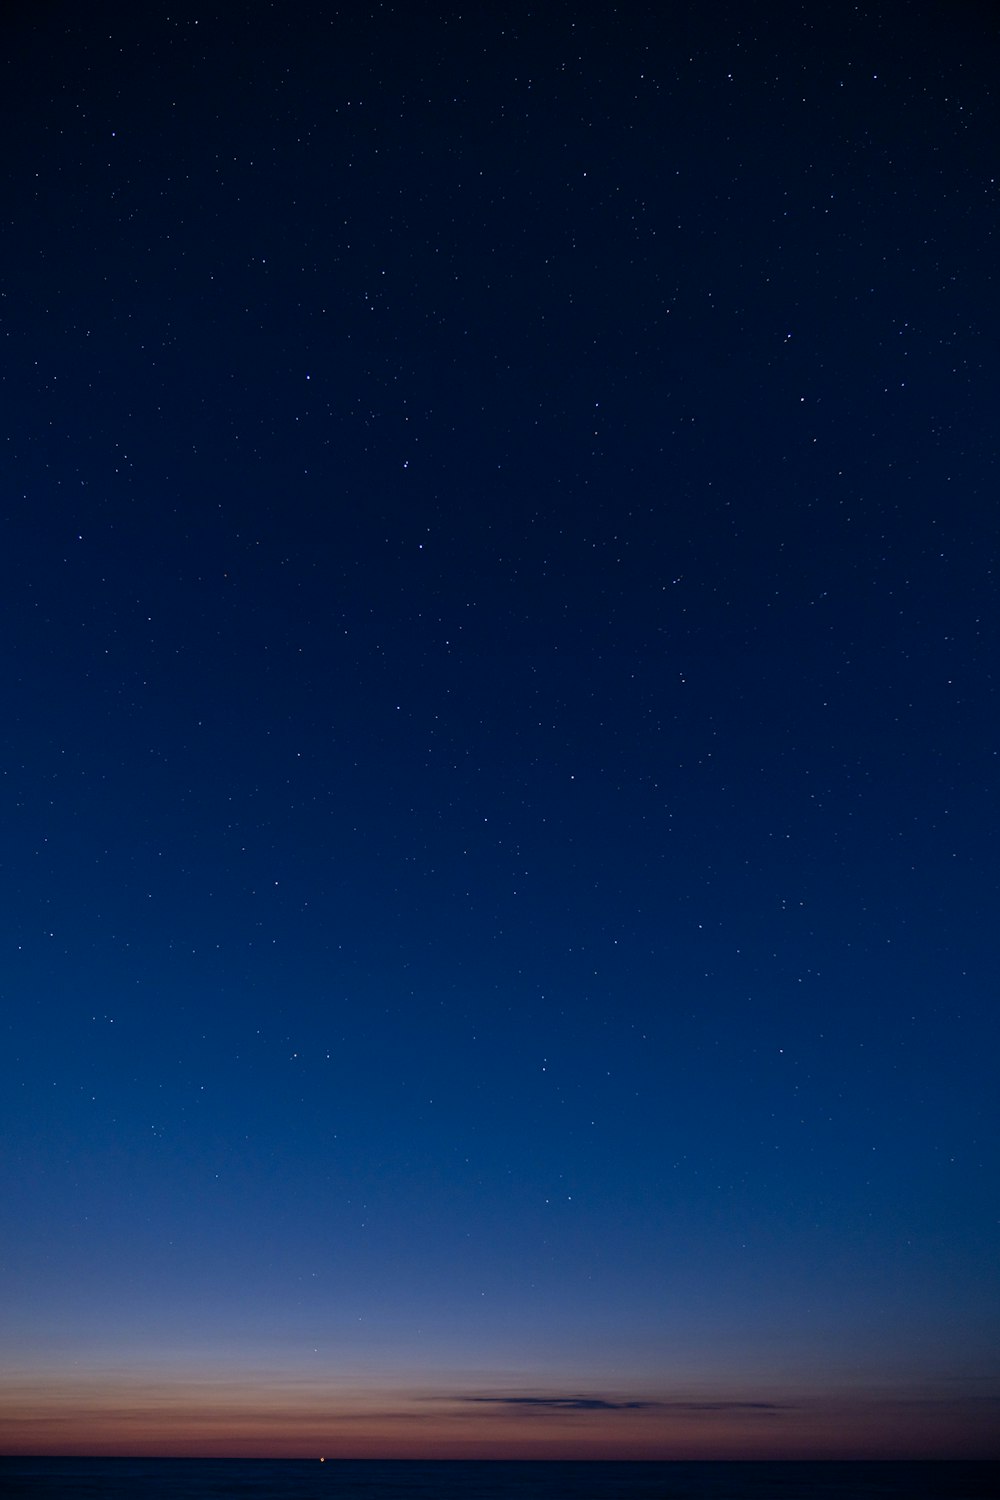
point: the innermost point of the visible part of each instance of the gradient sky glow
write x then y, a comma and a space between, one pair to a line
268, 1412
498, 869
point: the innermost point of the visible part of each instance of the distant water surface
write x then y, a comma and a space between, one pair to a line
266, 1479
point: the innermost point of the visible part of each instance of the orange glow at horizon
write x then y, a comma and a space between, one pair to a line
119, 1415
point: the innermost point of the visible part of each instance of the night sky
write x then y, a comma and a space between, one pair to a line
498, 867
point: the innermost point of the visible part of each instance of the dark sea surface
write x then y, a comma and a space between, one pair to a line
264, 1479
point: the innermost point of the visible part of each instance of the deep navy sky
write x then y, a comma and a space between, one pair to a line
499, 750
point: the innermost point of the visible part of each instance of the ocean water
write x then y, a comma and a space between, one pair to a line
266, 1479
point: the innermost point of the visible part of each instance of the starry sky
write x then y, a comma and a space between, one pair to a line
499, 750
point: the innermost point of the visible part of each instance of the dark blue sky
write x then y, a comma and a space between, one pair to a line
500, 738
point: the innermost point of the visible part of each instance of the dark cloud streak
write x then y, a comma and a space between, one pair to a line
558, 1403
601, 1403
